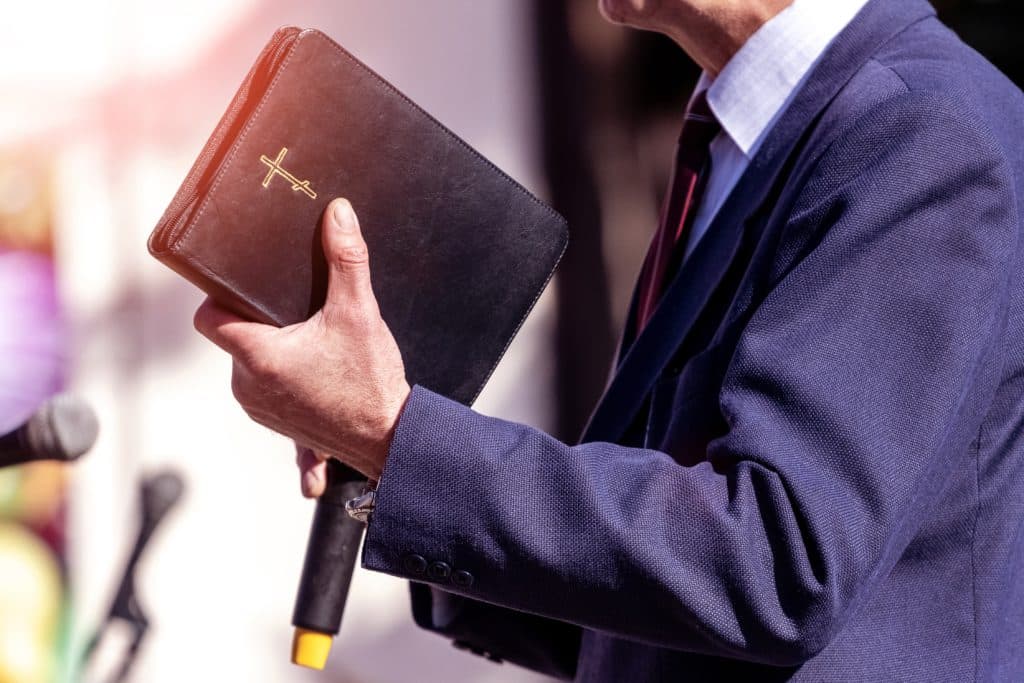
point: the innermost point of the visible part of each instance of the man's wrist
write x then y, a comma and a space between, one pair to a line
390, 423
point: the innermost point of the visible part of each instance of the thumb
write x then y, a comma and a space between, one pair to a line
348, 260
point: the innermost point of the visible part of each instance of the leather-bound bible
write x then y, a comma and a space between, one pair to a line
459, 252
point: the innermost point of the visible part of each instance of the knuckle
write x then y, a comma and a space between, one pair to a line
353, 254
264, 367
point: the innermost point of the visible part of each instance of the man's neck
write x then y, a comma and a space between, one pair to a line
711, 33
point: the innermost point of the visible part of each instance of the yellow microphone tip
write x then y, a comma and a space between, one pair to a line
310, 648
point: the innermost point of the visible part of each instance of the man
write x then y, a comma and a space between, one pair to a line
808, 463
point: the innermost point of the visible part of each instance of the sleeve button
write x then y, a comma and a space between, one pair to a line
439, 571
462, 579
415, 564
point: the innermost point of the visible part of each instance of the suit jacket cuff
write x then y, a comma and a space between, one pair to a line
413, 532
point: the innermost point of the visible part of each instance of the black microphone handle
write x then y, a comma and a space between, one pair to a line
331, 553
13, 450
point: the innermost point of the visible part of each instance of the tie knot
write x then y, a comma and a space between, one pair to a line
700, 110
700, 127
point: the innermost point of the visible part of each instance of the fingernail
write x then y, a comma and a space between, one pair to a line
344, 218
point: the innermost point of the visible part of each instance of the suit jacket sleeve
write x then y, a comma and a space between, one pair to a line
855, 388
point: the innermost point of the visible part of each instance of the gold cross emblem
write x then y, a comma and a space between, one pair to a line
277, 169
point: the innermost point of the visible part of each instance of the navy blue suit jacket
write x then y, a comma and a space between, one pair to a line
809, 466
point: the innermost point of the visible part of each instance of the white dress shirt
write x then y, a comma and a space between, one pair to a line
757, 85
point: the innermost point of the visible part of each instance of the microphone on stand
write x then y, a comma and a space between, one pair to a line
64, 428
331, 554
158, 493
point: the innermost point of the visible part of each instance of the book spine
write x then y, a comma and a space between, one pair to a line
176, 218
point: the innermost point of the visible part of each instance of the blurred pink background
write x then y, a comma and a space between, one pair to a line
113, 100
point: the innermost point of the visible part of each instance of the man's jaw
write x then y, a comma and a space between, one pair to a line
635, 13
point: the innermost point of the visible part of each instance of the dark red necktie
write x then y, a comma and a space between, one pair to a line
689, 176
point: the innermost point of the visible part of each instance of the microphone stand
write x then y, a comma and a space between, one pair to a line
157, 495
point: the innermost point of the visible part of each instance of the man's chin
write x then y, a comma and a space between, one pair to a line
630, 12
610, 10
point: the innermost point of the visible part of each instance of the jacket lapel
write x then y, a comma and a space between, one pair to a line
641, 362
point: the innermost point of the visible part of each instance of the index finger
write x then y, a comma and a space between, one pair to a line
225, 329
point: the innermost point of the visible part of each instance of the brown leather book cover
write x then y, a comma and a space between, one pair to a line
459, 252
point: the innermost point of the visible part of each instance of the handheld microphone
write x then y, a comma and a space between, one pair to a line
64, 428
331, 554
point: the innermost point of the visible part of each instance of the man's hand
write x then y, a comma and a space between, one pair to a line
335, 383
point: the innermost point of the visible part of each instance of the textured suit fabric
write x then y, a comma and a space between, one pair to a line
809, 465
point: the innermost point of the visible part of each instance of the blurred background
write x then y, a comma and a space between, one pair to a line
102, 114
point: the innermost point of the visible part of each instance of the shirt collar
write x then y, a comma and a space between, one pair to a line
753, 89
